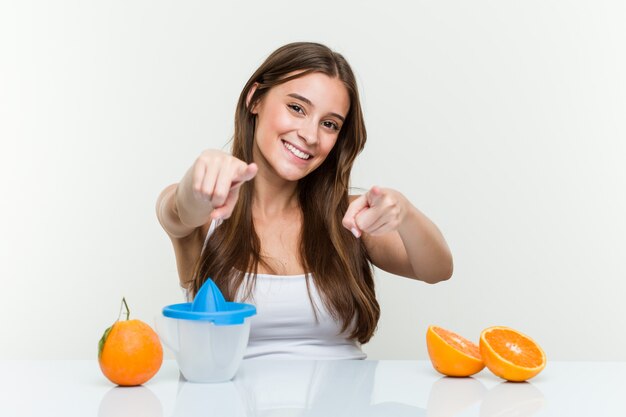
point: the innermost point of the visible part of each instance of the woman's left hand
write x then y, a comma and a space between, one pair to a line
379, 211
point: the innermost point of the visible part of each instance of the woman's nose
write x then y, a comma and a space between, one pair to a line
308, 131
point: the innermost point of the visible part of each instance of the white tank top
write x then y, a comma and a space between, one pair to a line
285, 326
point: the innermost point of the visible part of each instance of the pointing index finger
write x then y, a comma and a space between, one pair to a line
246, 173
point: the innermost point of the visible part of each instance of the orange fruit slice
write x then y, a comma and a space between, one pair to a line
510, 354
451, 354
129, 352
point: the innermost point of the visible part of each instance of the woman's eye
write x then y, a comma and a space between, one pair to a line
331, 125
295, 108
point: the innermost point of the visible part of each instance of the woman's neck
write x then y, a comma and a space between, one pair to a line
273, 196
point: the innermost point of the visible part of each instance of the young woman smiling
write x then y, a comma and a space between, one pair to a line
272, 222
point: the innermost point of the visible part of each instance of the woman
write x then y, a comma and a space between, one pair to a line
272, 222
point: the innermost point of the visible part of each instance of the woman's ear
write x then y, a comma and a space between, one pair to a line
249, 97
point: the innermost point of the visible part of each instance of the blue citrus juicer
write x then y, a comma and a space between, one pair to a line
208, 336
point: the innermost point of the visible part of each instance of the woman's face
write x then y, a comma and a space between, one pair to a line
298, 123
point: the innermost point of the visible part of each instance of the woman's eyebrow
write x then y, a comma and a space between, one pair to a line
307, 101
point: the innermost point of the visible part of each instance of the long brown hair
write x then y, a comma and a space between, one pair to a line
338, 262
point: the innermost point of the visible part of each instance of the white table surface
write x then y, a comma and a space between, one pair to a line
313, 388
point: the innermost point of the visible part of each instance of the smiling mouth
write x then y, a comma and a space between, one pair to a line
297, 152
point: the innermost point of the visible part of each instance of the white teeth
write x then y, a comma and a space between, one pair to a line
295, 151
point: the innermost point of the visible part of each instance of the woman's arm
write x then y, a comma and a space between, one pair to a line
399, 238
206, 192
168, 214
187, 241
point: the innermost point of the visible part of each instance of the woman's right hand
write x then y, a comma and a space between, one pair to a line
216, 178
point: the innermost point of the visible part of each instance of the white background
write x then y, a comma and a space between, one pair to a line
503, 121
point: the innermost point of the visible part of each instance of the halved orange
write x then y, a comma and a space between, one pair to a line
451, 354
510, 354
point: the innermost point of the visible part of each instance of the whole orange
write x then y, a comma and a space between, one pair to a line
129, 352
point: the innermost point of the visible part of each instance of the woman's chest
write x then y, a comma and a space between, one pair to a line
280, 247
